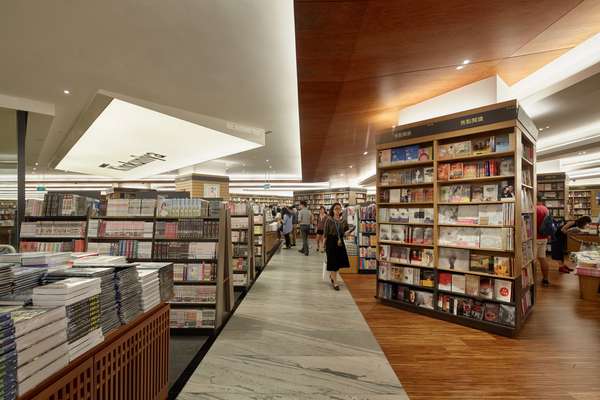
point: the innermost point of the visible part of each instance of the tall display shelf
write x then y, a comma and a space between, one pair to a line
371, 198
271, 238
242, 239
351, 239
580, 202
367, 238
8, 209
456, 216
553, 193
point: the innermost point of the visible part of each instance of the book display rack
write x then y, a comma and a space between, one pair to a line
263, 218
455, 217
552, 191
271, 238
367, 239
580, 202
242, 239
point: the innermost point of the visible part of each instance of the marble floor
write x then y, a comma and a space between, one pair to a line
294, 337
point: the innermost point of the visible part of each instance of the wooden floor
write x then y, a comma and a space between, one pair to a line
556, 355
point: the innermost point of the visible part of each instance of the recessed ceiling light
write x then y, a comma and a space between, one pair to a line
341, 174
34, 168
270, 167
541, 129
365, 153
66, 91
350, 166
267, 160
460, 67
547, 127
465, 62
36, 164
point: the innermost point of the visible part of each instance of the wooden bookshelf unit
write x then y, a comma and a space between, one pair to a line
580, 202
455, 217
552, 190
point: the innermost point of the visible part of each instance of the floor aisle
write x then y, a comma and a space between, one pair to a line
294, 337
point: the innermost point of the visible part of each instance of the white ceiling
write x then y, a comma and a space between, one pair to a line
231, 60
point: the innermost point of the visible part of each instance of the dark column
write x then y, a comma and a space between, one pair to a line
21, 132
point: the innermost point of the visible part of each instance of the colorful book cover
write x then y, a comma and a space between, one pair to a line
445, 281
502, 143
486, 288
472, 285
506, 315
477, 193
458, 283
385, 157
443, 172
427, 259
456, 171
411, 153
428, 174
425, 153
502, 266
480, 263
398, 155
469, 170
454, 259
490, 192
503, 290
482, 145
491, 312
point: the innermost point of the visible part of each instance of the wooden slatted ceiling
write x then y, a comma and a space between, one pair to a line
359, 62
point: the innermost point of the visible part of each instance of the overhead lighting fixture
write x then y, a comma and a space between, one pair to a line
579, 153
365, 153
465, 62
548, 127
66, 91
541, 129
36, 164
350, 166
460, 67
267, 160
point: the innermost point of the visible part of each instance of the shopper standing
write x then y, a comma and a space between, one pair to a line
321, 218
287, 226
304, 221
294, 214
334, 229
544, 232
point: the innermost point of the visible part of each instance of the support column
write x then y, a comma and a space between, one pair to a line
205, 186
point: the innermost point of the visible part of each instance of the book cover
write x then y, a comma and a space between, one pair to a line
506, 315
385, 232
408, 275
448, 214
395, 253
477, 193
425, 153
417, 235
398, 155
477, 310
491, 312
507, 167
404, 215
467, 237
428, 236
416, 256
460, 193
427, 258
490, 192
454, 259
507, 191
456, 171
502, 266
462, 148
384, 252
445, 281
425, 300
394, 215
417, 175
469, 170
427, 278
503, 290
428, 174
444, 151
458, 283
464, 306
394, 195
428, 216
467, 215
472, 285
486, 288
492, 238
482, 145
445, 193
443, 172
491, 214
480, 263
384, 179
412, 153
384, 157
502, 143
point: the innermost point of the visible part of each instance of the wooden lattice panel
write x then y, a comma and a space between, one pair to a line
131, 364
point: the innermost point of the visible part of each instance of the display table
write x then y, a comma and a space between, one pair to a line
131, 363
589, 283
574, 241
272, 242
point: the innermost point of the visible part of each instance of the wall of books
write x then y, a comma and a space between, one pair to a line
455, 236
580, 202
367, 239
552, 191
242, 239
264, 200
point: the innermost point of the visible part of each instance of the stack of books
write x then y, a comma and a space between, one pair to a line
40, 336
37, 259
8, 354
165, 277
25, 278
191, 318
81, 297
129, 293
6, 278
109, 318
149, 282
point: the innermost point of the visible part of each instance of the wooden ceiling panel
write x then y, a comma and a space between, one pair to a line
360, 62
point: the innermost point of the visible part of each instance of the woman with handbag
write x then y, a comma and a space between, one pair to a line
335, 229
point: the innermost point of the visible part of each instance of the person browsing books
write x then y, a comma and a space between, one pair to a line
560, 242
287, 226
544, 231
321, 218
335, 228
304, 220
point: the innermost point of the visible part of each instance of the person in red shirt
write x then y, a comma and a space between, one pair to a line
541, 212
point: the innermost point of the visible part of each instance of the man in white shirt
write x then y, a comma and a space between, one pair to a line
304, 220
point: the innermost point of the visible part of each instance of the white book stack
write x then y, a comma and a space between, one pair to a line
41, 344
150, 283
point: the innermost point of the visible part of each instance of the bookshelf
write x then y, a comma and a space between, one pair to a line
317, 198
455, 218
552, 191
242, 244
579, 202
263, 238
271, 238
367, 239
351, 239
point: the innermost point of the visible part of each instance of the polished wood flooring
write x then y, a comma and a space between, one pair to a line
555, 356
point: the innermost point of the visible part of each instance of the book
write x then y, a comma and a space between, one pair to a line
467, 215
443, 172
456, 171
477, 310
480, 263
398, 155
472, 285
491, 312
486, 288
445, 281
427, 278
503, 290
454, 259
502, 266
425, 153
477, 193
385, 157
29, 319
507, 192
428, 174
458, 283
482, 145
461, 149
491, 214
507, 167
448, 214
469, 170
385, 232
502, 143
427, 258
490, 192
506, 315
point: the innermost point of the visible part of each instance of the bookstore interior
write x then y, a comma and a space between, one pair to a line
173, 209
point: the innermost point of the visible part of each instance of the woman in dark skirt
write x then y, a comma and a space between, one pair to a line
334, 230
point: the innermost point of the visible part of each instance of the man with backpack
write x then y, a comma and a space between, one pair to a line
545, 230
